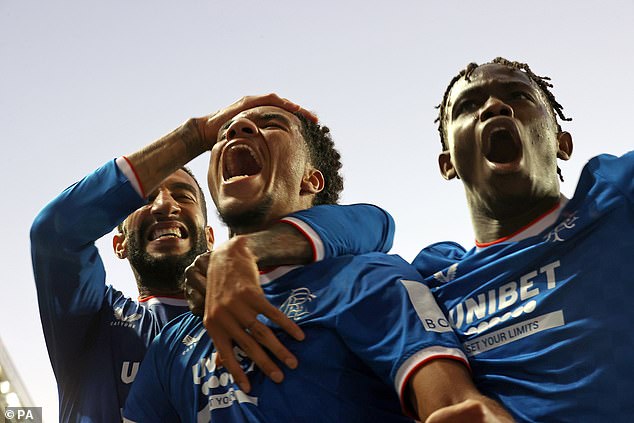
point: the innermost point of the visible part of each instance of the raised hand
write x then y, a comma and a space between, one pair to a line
209, 126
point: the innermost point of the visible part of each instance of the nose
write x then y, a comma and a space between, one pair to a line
241, 128
495, 107
164, 205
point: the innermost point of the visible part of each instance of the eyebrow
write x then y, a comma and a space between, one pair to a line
179, 186
479, 89
184, 186
274, 116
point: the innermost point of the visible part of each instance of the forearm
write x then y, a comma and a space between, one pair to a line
156, 161
281, 244
444, 389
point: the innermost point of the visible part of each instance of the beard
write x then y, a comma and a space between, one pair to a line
165, 273
247, 220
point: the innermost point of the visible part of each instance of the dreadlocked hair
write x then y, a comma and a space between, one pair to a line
541, 81
323, 156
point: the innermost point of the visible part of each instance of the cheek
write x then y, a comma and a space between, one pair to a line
133, 221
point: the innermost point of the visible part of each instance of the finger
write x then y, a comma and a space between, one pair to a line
224, 348
309, 115
196, 302
250, 347
202, 262
195, 290
265, 336
262, 306
246, 318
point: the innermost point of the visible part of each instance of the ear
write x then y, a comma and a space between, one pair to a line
312, 182
447, 170
209, 232
120, 246
564, 140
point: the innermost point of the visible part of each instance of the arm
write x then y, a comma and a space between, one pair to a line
412, 345
163, 157
69, 274
442, 391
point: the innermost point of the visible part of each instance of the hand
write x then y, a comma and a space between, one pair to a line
196, 284
233, 302
210, 125
468, 411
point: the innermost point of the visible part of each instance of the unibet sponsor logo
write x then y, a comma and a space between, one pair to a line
513, 333
485, 304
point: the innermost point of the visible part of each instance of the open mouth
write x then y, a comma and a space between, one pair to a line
240, 160
172, 231
502, 147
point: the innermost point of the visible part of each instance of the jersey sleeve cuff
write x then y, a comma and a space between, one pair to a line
127, 169
415, 362
315, 241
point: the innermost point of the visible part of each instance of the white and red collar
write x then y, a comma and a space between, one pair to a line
167, 300
535, 227
269, 275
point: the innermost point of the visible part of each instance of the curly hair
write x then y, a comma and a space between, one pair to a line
542, 83
325, 157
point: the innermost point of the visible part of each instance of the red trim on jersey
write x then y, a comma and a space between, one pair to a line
303, 232
176, 297
523, 228
136, 175
405, 406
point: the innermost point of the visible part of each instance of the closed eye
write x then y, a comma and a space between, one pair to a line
521, 95
465, 106
270, 125
184, 198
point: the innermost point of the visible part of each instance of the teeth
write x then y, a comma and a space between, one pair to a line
240, 161
166, 232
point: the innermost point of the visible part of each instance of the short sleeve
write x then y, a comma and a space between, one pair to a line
394, 324
335, 230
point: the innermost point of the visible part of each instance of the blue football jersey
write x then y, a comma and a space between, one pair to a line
544, 316
96, 337
369, 324
335, 230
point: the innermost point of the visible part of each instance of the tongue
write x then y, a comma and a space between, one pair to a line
502, 148
240, 162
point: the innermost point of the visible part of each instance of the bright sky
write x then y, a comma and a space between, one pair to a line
82, 82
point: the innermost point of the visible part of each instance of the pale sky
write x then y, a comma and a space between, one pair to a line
82, 82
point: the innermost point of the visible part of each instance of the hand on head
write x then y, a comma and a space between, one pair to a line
209, 126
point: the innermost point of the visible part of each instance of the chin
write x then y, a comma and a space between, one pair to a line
246, 216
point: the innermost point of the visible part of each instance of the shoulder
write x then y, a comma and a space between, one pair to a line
181, 327
438, 256
381, 263
608, 170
